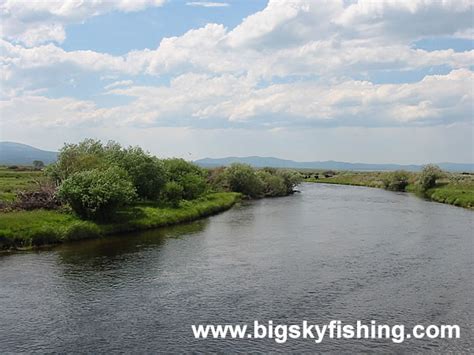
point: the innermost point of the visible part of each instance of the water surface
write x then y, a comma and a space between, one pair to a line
330, 252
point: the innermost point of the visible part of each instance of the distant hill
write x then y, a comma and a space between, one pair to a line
260, 162
21, 154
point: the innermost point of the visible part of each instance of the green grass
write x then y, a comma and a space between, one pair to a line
12, 181
26, 229
454, 194
455, 189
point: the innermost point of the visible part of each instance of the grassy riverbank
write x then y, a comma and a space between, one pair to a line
26, 229
454, 189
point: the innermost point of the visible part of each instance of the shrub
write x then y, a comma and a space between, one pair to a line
273, 185
193, 186
188, 175
72, 158
146, 172
396, 181
173, 193
290, 178
97, 194
428, 176
242, 178
217, 179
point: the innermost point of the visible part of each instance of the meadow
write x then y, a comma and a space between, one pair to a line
13, 180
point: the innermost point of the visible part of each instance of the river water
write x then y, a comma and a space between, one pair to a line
329, 252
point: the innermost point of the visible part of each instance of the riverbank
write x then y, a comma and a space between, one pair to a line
457, 190
29, 229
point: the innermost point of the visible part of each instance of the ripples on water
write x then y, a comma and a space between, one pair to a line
331, 252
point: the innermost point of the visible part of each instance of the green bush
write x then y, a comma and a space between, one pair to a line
146, 172
173, 193
428, 176
96, 194
86, 155
273, 185
193, 186
242, 178
396, 181
188, 175
290, 178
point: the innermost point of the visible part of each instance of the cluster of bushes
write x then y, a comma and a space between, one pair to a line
396, 181
267, 182
97, 179
425, 180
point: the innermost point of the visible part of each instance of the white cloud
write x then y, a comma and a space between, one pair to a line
296, 62
207, 4
199, 100
407, 19
117, 84
36, 22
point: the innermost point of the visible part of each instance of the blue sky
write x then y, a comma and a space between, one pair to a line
300, 79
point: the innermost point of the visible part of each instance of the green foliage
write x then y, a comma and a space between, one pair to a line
273, 185
13, 181
242, 178
193, 186
291, 179
146, 172
86, 155
188, 175
97, 194
173, 193
396, 181
428, 176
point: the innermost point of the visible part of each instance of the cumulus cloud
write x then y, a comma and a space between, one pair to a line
36, 22
296, 62
201, 101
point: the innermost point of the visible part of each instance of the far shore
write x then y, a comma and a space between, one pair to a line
459, 194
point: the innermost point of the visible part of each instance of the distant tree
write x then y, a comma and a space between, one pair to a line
428, 176
38, 164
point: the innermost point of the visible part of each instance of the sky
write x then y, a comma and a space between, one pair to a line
358, 81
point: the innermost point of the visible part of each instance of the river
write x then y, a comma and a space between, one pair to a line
329, 252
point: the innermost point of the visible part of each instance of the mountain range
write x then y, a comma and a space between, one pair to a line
260, 162
21, 154
12, 153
